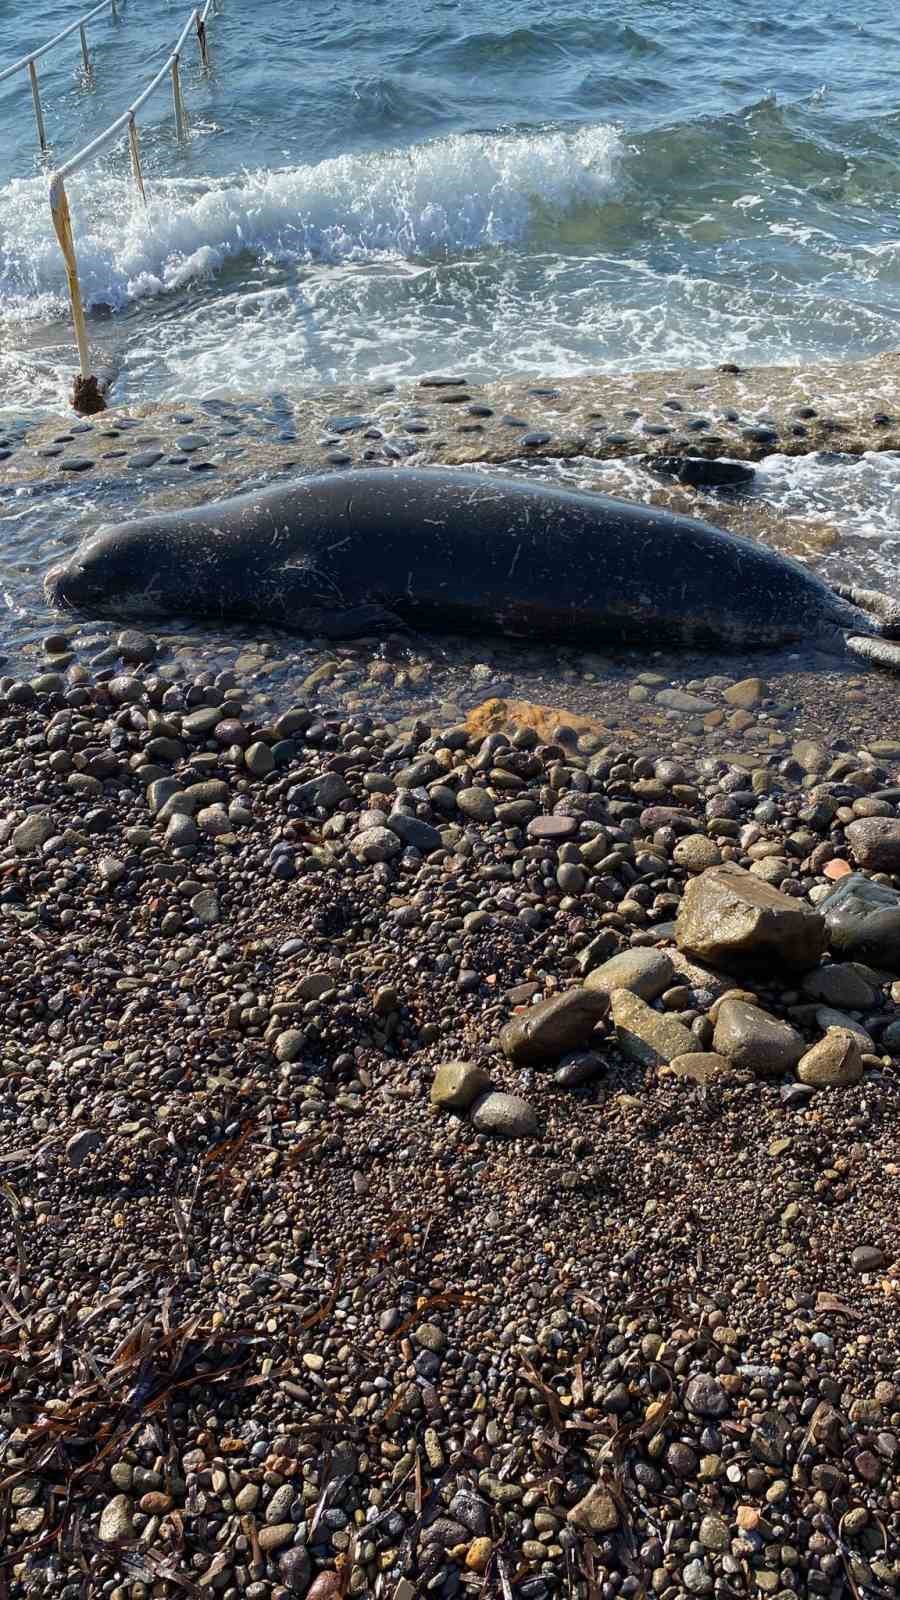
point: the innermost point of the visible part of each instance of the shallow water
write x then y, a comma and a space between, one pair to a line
373, 192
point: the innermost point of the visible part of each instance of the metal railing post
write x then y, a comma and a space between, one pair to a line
38, 113
201, 40
180, 117
59, 210
134, 147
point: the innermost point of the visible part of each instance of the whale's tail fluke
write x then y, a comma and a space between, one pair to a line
878, 648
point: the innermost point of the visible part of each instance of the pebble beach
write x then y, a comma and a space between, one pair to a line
449, 1088
447, 1158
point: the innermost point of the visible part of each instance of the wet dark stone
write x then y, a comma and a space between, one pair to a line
64, 438
700, 472
657, 429
416, 427
338, 460
348, 424
798, 430
229, 433
287, 436
805, 412
760, 435
125, 423
577, 1069
113, 455
147, 438
384, 388
480, 411
452, 399
471, 427
513, 422
175, 461
731, 368
76, 464
882, 420
191, 442
202, 466
535, 439
82, 427
697, 424
5, 455
730, 416
545, 394
184, 419
618, 438
442, 383
672, 405
110, 433
373, 433
146, 458
48, 450
863, 921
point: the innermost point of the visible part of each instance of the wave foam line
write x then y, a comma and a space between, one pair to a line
462, 194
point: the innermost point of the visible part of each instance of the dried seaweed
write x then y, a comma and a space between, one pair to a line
65, 1449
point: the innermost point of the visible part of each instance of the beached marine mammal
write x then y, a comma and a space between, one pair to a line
348, 553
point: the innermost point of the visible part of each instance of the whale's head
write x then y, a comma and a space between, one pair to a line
117, 572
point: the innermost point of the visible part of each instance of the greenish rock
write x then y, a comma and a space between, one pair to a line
457, 1083
654, 1038
644, 972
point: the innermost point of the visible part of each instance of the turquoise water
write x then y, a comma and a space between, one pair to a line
382, 190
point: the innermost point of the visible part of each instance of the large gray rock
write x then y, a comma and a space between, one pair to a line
834, 1061
457, 1083
732, 919
645, 972
875, 842
862, 921
652, 1037
544, 1032
505, 1114
750, 1038
840, 985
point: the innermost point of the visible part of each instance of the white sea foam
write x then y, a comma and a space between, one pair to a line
459, 195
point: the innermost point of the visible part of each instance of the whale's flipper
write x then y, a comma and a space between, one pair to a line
875, 651
883, 607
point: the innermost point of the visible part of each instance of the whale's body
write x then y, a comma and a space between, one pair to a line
347, 553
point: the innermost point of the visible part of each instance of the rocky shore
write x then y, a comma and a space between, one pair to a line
445, 1156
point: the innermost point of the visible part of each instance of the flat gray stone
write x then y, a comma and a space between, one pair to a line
504, 1114
645, 972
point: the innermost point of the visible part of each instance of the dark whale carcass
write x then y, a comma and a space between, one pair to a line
348, 553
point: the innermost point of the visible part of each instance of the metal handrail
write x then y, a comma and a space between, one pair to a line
35, 55
59, 204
